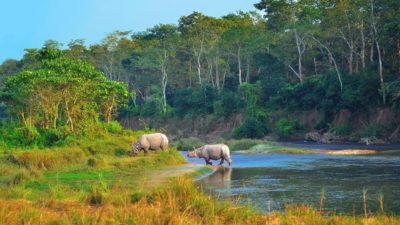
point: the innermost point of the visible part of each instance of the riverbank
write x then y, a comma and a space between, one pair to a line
94, 181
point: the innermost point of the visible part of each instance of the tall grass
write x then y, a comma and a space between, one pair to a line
94, 181
177, 202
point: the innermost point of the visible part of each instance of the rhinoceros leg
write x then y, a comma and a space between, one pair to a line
145, 150
208, 162
222, 161
229, 161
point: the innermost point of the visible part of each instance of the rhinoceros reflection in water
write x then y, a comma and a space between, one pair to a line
221, 178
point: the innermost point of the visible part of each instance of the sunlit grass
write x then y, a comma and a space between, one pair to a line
94, 181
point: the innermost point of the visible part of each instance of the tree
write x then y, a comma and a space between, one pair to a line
61, 91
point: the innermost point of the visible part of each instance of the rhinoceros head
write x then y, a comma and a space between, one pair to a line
135, 149
191, 154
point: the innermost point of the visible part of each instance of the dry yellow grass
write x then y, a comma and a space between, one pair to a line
179, 202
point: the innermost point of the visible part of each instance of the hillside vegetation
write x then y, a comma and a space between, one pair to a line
291, 67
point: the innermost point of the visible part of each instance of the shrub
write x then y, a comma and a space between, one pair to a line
228, 104
97, 197
243, 144
189, 143
286, 127
113, 127
251, 128
96, 162
20, 177
341, 129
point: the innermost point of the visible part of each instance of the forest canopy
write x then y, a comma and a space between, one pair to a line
290, 56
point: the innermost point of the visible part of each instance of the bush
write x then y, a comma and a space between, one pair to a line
251, 128
189, 143
243, 144
286, 127
95, 162
341, 129
113, 127
20, 177
228, 104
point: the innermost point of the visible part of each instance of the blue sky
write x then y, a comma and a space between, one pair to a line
28, 23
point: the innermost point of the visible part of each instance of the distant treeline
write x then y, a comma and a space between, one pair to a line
293, 56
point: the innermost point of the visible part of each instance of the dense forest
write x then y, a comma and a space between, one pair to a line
288, 68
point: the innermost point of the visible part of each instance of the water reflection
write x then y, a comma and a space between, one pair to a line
272, 180
221, 178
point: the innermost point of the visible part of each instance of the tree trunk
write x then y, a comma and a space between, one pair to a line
332, 59
239, 62
381, 72
350, 45
362, 54
378, 49
198, 58
248, 70
217, 84
164, 87
69, 117
300, 50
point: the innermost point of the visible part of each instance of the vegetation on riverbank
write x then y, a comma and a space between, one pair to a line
244, 146
178, 202
291, 67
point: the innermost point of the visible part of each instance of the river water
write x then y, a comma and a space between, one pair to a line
269, 181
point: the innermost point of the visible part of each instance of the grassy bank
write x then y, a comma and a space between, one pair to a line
75, 170
178, 202
244, 146
94, 181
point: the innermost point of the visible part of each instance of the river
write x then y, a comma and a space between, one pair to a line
269, 181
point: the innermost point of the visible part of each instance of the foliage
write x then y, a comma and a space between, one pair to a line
61, 91
291, 56
243, 144
185, 144
254, 126
341, 129
286, 127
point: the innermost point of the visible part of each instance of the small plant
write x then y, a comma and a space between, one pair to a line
321, 199
96, 162
20, 177
381, 203
364, 196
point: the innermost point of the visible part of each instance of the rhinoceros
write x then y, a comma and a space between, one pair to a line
214, 152
150, 141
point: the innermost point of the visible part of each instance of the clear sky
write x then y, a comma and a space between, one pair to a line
28, 23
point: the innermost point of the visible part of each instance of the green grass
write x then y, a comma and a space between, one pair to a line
94, 181
260, 146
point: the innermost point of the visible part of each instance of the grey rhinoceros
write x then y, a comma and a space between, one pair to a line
212, 152
150, 142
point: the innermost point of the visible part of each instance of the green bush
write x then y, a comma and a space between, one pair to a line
286, 127
189, 143
228, 104
243, 144
114, 127
251, 128
341, 129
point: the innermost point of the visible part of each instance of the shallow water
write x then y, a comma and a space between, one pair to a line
269, 181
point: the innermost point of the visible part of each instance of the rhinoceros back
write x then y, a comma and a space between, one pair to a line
154, 141
217, 151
